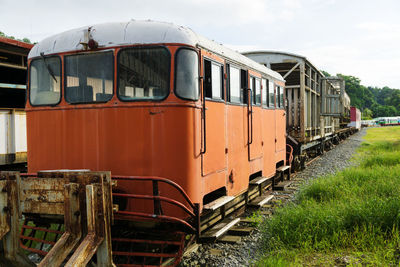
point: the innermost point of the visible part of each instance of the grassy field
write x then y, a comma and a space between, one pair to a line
351, 218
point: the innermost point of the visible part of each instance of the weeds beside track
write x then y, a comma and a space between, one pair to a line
352, 217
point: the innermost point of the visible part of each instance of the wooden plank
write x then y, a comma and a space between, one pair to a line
282, 185
240, 230
218, 203
230, 239
220, 229
246, 220
191, 249
266, 212
283, 168
259, 180
261, 200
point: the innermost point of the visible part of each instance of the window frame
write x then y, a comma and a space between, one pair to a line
229, 87
89, 53
254, 103
222, 68
265, 91
118, 71
61, 82
272, 105
198, 67
280, 103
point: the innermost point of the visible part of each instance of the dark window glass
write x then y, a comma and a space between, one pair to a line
45, 81
143, 73
243, 86
89, 78
213, 86
187, 74
228, 83
279, 96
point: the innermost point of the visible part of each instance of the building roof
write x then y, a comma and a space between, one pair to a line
271, 52
15, 43
139, 32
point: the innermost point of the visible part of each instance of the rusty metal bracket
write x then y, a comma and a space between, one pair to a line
98, 239
82, 198
10, 221
73, 230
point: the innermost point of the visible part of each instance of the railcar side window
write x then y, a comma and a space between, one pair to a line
89, 78
45, 81
279, 95
234, 84
271, 95
257, 92
244, 86
265, 93
187, 74
253, 93
213, 82
282, 99
143, 73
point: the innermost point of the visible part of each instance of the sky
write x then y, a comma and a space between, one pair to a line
352, 37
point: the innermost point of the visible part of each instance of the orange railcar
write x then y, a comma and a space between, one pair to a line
153, 99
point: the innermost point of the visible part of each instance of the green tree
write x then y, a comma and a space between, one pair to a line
367, 114
326, 73
383, 102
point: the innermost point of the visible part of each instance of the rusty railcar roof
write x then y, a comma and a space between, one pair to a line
139, 32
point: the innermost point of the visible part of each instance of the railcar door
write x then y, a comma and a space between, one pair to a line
255, 119
214, 121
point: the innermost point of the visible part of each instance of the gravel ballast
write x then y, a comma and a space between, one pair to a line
246, 251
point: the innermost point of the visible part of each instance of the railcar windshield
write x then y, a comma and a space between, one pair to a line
45, 81
89, 77
143, 73
187, 74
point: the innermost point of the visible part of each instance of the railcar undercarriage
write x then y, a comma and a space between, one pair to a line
302, 152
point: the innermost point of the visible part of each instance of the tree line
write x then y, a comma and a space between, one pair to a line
372, 101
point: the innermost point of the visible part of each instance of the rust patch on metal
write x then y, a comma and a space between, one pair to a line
83, 198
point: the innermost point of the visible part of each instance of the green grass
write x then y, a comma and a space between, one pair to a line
350, 218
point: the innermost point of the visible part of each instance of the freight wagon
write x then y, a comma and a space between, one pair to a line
355, 117
317, 107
